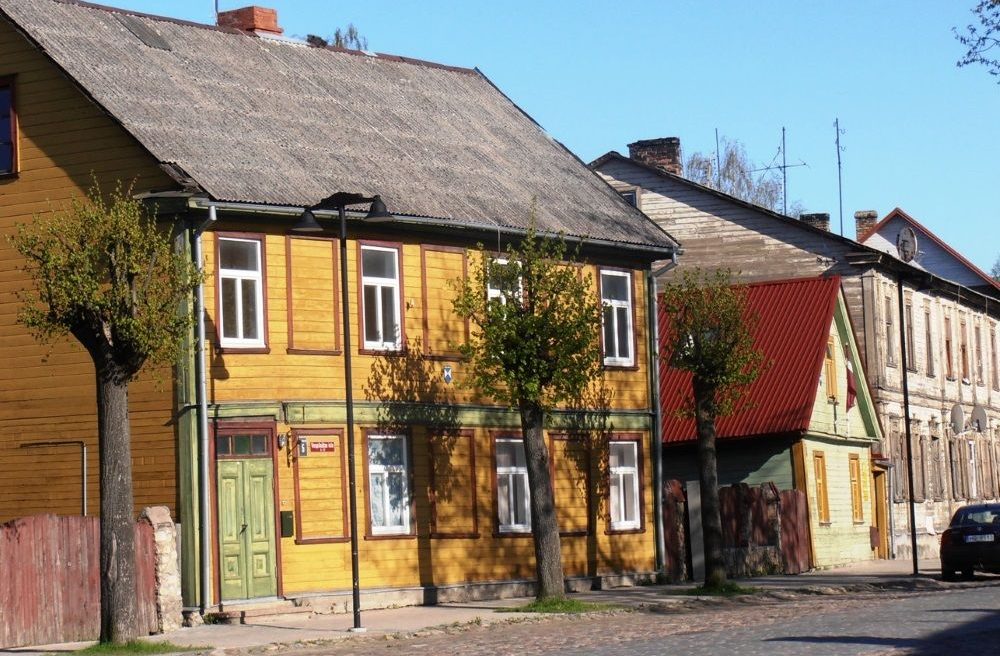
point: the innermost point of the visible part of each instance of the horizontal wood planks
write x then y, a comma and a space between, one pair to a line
454, 509
47, 391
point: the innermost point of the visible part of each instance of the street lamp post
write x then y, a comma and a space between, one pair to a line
307, 224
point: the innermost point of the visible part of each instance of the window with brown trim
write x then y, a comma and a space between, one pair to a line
830, 370
241, 291
890, 334
994, 371
8, 128
928, 344
911, 358
980, 379
949, 355
857, 501
963, 346
388, 484
624, 485
822, 494
616, 299
380, 298
513, 493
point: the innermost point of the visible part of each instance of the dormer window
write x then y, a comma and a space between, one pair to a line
631, 197
8, 128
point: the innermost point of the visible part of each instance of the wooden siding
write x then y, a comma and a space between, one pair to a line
715, 232
47, 393
830, 415
930, 255
752, 462
286, 373
445, 546
840, 540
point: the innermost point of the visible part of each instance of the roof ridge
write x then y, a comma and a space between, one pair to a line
379, 56
899, 213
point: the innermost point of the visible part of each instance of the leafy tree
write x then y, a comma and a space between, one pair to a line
535, 345
106, 275
710, 335
738, 176
983, 40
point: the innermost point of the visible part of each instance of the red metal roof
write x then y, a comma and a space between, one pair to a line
792, 332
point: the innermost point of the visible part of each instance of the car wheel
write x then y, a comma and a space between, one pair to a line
948, 573
967, 574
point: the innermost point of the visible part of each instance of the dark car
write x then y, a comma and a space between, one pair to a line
972, 541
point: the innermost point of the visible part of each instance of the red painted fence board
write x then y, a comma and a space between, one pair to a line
50, 580
795, 540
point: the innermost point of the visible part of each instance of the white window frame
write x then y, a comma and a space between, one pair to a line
511, 473
241, 276
621, 474
394, 343
380, 469
617, 360
495, 293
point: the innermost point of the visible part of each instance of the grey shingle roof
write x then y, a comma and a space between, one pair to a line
260, 120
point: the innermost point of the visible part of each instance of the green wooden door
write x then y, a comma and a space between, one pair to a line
246, 528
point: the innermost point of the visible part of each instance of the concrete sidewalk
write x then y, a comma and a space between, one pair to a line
317, 628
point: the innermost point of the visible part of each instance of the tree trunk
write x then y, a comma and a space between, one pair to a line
708, 479
544, 524
118, 592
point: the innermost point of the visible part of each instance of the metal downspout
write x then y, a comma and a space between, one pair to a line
652, 314
204, 540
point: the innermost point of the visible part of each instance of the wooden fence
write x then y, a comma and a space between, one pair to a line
50, 580
763, 530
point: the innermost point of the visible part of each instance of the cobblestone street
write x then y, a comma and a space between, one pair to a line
915, 623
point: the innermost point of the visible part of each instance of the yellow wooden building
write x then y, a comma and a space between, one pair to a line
230, 133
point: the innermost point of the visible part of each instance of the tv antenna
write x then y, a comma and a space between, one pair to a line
784, 172
840, 184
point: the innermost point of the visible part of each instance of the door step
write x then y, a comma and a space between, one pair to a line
261, 613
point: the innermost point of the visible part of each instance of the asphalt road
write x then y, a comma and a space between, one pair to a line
950, 622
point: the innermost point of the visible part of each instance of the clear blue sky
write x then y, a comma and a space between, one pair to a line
919, 133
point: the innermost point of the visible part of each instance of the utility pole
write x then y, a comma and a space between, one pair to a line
784, 175
840, 185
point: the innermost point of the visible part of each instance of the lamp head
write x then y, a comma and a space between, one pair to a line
307, 223
378, 212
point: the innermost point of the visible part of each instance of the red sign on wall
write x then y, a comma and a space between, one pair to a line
323, 447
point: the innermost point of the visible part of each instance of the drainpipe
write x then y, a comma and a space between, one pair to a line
204, 541
653, 331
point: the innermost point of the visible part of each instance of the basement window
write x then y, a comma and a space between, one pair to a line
8, 128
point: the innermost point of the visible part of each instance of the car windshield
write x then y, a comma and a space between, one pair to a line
977, 516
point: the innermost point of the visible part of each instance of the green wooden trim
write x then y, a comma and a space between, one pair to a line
426, 414
839, 440
864, 400
186, 419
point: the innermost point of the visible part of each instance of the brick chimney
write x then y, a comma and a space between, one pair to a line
819, 220
864, 220
250, 19
662, 153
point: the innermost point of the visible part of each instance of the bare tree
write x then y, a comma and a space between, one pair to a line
348, 38
982, 38
734, 173
995, 271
